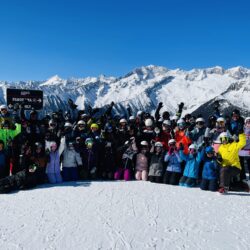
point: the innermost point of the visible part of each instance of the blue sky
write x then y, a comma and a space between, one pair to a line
41, 38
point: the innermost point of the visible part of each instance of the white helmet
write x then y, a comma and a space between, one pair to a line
175, 117
67, 124
148, 122
180, 121
3, 107
139, 113
123, 120
247, 119
192, 146
200, 119
220, 119
171, 141
131, 118
158, 144
166, 122
144, 143
223, 134
81, 122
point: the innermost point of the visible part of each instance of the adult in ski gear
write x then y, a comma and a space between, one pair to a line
142, 159
126, 168
173, 161
210, 171
156, 162
230, 162
193, 159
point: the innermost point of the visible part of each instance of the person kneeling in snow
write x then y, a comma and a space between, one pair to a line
210, 171
191, 171
230, 162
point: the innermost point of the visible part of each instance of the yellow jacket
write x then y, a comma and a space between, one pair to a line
230, 152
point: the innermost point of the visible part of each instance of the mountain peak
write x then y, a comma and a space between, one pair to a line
53, 80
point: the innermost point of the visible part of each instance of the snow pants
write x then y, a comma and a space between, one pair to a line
171, 178
211, 185
122, 174
70, 174
54, 178
155, 179
226, 174
141, 175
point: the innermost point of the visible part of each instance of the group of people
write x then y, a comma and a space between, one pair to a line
210, 152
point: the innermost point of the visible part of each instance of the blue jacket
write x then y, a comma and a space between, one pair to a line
173, 162
210, 169
192, 164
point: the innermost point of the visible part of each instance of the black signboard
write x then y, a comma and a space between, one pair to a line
29, 98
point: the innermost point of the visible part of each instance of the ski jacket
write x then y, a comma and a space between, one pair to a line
71, 158
156, 164
53, 166
210, 169
141, 162
173, 162
245, 151
229, 152
192, 163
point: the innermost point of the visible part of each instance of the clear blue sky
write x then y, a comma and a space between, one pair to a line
41, 38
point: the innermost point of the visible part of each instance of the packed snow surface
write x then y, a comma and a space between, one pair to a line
123, 215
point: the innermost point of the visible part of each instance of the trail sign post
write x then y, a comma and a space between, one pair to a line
30, 99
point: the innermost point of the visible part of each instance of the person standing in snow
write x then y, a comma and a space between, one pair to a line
142, 162
53, 169
172, 158
70, 163
156, 162
193, 160
245, 151
125, 169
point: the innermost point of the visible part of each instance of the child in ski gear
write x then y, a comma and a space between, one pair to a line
90, 157
230, 162
197, 134
210, 171
156, 162
127, 164
173, 160
71, 161
180, 136
193, 159
4, 161
53, 170
141, 166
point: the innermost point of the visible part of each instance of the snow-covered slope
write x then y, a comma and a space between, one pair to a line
145, 87
123, 215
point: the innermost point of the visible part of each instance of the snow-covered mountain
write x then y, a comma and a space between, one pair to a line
145, 87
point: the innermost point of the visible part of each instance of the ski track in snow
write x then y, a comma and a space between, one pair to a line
123, 215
